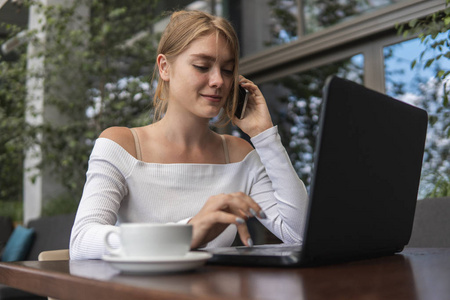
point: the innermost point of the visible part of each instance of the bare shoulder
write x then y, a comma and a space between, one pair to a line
238, 148
122, 136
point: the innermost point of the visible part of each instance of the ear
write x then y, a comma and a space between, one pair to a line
163, 67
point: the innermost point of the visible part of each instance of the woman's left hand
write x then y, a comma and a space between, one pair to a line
257, 117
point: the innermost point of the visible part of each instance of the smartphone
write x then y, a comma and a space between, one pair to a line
242, 103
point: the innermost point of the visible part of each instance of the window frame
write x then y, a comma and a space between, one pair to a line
366, 34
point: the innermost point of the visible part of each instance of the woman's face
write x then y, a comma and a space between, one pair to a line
201, 77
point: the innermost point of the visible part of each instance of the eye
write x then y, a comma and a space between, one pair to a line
228, 72
201, 68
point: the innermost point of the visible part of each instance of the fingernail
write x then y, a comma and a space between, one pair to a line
253, 212
240, 220
250, 242
262, 214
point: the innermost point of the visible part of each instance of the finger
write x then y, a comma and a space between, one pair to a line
251, 87
227, 203
227, 218
248, 205
246, 82
245, 235
208, 227
238, 203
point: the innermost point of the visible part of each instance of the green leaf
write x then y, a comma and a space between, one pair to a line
433, 119
412, 23
445, 101
422, 54
447, 20
429, 63
115, 13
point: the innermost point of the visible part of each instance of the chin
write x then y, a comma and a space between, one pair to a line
212, 114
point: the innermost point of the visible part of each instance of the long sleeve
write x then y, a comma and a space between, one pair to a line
278, 189
103, 192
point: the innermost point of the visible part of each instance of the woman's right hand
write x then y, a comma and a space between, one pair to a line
219, 212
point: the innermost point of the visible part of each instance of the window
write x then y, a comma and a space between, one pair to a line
319, 14
264, 24
363, 30
420, 87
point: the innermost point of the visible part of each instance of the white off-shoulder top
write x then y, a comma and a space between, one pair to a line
120, 188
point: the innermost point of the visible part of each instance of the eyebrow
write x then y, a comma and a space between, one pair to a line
210, 58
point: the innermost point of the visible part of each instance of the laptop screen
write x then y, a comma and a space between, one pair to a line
366, 176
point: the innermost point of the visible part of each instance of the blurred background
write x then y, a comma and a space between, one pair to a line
70, 69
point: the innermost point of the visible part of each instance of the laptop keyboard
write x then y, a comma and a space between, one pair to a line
261, 250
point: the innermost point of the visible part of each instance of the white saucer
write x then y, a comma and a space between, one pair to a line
161, 264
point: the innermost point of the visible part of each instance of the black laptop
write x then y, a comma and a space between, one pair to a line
364, 188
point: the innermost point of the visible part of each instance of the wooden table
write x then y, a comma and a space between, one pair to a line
413, 274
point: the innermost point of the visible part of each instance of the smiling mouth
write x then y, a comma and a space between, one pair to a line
213, 98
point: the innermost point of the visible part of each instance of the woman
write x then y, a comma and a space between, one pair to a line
177, 169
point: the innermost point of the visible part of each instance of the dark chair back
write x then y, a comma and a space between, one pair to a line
431, 223
51, 233
6, 228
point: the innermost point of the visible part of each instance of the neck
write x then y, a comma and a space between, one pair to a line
186, 130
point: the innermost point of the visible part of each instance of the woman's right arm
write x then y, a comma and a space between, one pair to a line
103, 192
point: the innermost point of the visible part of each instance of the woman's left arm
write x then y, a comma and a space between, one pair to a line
278, 189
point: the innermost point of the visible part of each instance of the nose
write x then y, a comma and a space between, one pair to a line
216, 78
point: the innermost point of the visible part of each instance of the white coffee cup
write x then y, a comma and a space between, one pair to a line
150, 240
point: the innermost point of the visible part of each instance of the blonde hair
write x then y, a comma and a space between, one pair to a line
185, 27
